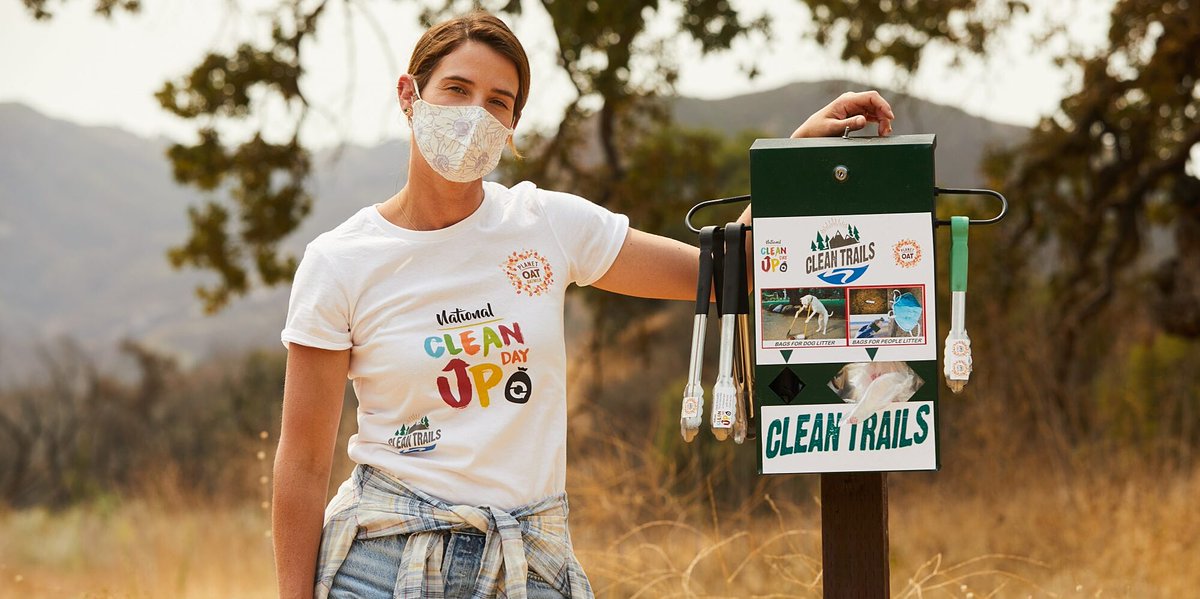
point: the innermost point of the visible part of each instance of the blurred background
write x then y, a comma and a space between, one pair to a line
163, 163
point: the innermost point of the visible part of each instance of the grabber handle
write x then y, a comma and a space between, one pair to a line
735, 269
705, 278
958, 252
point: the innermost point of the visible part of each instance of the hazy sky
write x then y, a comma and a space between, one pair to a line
84, 69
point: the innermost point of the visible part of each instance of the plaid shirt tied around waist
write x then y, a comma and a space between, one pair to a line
376, 504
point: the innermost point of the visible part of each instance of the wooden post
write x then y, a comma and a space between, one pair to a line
854, 535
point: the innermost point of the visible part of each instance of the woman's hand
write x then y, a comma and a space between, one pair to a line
851, 109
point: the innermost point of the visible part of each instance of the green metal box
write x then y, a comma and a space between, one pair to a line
844, 292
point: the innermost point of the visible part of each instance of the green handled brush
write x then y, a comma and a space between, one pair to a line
958, 345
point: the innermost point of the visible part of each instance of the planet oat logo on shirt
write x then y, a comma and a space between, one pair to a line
529, 272
838, 254
415, 437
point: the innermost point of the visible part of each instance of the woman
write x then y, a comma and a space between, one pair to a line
444, 306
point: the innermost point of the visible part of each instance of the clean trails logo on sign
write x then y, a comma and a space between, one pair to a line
838, 255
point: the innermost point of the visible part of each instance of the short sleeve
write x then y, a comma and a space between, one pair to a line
590, 235
319, 309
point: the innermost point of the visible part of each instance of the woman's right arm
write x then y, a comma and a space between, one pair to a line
312, 408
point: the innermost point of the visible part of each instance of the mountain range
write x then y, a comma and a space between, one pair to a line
87, 214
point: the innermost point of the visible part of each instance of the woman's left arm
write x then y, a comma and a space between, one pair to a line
662, 268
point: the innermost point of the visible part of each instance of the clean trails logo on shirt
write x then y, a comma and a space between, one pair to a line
415, 437
529, 272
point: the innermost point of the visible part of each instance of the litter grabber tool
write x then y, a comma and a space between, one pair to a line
743, 365
725, 390
693, 394
799, 313
739, 383
958, 345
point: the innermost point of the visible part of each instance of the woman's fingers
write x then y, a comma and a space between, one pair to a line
870, 105
851, 109
855, 123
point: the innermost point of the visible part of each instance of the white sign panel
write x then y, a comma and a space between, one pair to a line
820, 438
832, 287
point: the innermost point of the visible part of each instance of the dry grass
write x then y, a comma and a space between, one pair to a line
136, 549
1019, 533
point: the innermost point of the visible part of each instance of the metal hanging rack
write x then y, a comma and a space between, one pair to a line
706, 203
938, 191
955, 191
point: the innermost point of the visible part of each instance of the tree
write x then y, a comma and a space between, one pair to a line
104, 8
237, 237
1100, 177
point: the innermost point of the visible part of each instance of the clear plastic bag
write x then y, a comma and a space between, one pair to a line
872, 386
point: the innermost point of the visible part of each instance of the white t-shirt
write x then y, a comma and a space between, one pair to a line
456, 338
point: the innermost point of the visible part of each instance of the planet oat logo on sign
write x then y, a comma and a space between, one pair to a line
906, 253
529, 272
838, 254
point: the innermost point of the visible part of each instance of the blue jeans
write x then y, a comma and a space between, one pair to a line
372, 566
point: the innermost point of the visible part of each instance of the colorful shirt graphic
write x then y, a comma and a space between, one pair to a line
456, 338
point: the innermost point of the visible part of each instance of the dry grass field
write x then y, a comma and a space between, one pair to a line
1011, 532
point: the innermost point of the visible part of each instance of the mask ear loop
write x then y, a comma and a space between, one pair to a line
408, 112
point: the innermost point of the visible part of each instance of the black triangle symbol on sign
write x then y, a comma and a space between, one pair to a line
871, 352
786, 353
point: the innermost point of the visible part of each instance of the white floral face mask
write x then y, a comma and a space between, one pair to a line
461, 143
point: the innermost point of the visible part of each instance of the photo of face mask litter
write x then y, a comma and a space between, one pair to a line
887, 313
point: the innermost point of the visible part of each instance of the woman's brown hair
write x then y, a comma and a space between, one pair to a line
477, 26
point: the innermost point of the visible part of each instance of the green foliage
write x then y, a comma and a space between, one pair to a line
104, 8
1096, 180
900, 30
267, 183
1150, 400
1109, 165
77, 433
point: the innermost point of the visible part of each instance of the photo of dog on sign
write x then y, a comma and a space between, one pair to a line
794, 314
